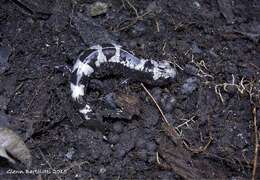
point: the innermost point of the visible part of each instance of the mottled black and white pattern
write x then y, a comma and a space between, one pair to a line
93, 58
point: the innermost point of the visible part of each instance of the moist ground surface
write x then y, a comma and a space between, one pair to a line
214, 46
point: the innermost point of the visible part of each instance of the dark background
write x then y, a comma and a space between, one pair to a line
211, 43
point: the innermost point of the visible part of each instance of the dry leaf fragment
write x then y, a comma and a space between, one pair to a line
11, 143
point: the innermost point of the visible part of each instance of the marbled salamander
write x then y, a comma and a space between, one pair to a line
126, 64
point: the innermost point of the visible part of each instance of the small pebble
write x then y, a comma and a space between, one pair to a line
190, 85
70, 153
102, 170
197, 4
98, 8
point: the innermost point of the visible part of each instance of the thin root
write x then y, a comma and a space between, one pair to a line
49, 164
204, 148
241, 87
170, 129
157, 105
132, 6
256, 145
200, 149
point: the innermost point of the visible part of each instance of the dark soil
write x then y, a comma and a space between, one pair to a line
215, 48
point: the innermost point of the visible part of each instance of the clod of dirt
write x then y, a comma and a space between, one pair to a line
167, 102
126, 143
11, 143
98, 8
91, 32
119, 105
149, 115
190, 85
4, 56
190, 69
129, 104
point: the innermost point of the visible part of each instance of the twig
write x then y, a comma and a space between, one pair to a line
204, 148
186, 122
49, 164
157, 26
217, 91
157, 105
255, 66
127, 26
244, 157
172, 132
163, 48
200, 65
241, 87
157, 158
256, 145
132, 6
177, 65
160, 164
200, 149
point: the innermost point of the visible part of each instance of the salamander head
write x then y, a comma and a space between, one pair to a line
163, 70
